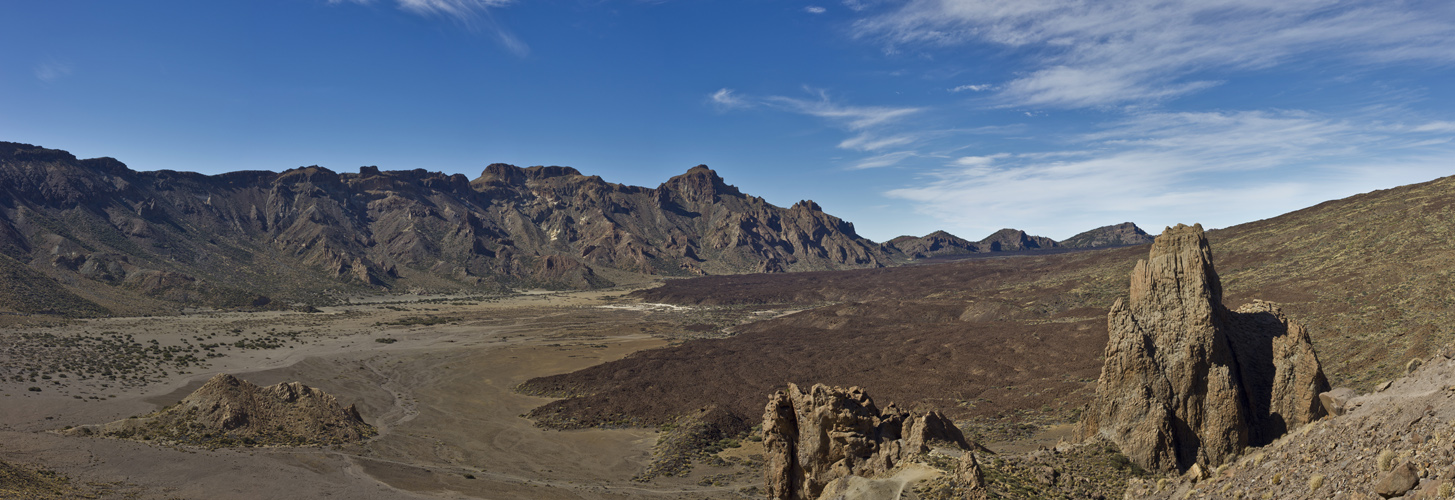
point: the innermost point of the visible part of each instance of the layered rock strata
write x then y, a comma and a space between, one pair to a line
1187, 381
827, 434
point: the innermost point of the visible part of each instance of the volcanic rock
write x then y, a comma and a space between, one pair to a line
1115, 235
1336, 402
1186, 381
98, 226
229, 411
1399, 481
1014, 240
933, 245
827, 433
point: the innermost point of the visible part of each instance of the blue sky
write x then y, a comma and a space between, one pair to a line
904, 117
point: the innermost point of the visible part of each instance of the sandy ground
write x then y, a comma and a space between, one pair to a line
440, 394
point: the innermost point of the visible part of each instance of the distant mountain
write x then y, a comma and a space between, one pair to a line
109, 238
1114, 235
940, 244
1015, 240
934, 244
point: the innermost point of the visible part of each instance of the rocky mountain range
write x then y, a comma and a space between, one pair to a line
111, 239
88, 237
943, 244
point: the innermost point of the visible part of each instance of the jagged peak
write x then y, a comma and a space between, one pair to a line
807, 205
699, 183
541, 172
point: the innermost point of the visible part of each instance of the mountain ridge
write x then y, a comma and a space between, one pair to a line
115, 236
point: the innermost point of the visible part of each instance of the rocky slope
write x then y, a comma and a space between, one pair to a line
1188, 383
111, 239
227, 411
1393, 443
1114, 235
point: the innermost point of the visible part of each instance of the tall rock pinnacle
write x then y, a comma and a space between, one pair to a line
1186, 381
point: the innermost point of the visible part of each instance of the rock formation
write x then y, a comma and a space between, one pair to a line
98, 226
228, 411
1114, 235
827, 434
1186, 381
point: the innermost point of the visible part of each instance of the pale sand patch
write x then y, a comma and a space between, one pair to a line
441, 396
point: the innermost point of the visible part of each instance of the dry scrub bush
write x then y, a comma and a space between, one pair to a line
1386, 460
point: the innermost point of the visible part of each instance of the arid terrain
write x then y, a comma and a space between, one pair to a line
657, 389
435, 375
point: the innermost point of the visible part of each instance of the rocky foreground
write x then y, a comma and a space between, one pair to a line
1393, 443
227, 411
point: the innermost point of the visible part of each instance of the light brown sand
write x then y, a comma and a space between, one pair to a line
450, 425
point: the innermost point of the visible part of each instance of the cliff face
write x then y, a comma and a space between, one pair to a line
110, 234
1185, 380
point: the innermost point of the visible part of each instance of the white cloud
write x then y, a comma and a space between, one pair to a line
884, 160
52, 70
474, 14
1436, 126
814, 9
873, 128
852, 117
973, 88
462, 9
1088, 53
724, 99
1159, 169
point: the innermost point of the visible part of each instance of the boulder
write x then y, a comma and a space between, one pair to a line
1399, 481
1336, 402
1187, 381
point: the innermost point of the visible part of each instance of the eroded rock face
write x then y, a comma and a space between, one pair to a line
827, 433
1186, 381
392, 230
229, 411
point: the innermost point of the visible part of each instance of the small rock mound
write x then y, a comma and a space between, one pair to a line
1188, 382
817, 440
227, 411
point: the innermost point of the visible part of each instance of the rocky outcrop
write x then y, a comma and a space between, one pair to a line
1188, 382
227, 411
309, 232
1115, 235
1391, 443
826, 434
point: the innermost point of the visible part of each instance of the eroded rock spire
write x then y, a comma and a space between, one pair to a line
1186, 381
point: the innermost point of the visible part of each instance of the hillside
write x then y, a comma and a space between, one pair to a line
1002, 342
111, 239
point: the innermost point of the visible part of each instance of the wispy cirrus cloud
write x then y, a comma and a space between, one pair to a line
1085, 54
51, 71
1218, 168
474, 14
873, 128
